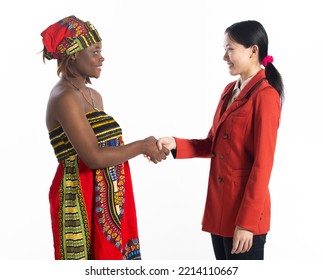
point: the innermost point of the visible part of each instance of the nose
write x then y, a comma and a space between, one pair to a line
225, 56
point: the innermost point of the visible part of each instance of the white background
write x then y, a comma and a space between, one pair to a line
163, 75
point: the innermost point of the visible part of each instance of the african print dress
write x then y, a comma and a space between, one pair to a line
93, 211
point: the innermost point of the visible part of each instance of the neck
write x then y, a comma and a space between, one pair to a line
246, 76
77, 82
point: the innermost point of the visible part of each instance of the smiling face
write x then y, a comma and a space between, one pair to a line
241, 60
89, 61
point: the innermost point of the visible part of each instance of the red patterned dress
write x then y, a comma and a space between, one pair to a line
93, 211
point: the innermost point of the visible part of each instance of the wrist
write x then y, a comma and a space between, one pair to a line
142, 146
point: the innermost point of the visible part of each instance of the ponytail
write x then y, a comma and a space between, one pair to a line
274, 78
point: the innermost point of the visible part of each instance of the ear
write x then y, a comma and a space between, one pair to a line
73, 56
254, 50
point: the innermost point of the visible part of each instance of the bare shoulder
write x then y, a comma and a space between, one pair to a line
62, 98
60, 94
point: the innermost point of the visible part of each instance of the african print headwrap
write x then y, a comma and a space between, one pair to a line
68, 36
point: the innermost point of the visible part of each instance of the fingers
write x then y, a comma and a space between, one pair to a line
165, 151
168, 142
159, 156
235, 246
157, 151
162, 155
241, 246
156, 157
249, 245
160, 144
242, 241
147, 157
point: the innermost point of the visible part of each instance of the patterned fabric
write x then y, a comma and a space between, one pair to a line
75, 234
68, 36
93, 211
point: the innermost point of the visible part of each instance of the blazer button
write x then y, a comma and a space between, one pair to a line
213, 155
220, 179
222, 156
225, 136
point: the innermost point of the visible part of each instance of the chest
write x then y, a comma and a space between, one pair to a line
236, 120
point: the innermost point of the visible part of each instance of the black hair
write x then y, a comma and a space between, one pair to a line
249, 33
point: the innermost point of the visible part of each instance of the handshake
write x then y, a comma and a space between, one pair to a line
158, 150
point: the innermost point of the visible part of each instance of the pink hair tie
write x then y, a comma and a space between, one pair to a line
267, 59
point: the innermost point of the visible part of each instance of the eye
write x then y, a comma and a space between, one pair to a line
96, 52
228, 49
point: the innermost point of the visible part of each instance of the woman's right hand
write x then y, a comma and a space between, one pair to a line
153, 152
167, 142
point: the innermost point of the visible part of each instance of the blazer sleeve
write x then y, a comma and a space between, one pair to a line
190, 148
267, 109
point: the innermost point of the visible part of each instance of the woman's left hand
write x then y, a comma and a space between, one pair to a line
242, 240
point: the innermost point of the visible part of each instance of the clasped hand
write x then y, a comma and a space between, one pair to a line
153, 152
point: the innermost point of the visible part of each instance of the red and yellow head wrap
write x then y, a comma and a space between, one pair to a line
68, 36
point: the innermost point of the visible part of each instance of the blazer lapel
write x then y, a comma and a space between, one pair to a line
225, 97
241, 99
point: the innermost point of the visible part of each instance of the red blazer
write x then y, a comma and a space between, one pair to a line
241, 144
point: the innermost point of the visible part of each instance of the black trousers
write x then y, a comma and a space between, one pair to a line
222, 247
